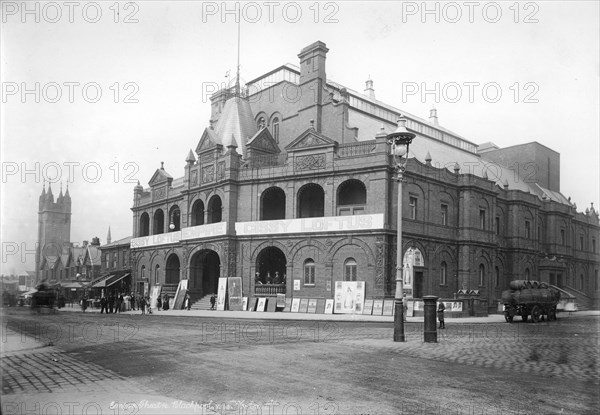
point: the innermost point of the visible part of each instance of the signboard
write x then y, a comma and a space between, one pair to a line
296, 285
153, 240
261, 304
295, 305
368, 307
388, 307
413, 257
377, 307
154, 295
407, 280
323, 224
280, 300
221, 294
303, 305
329, 306
244, 303
288, 304
204, 231
180, 295
410, 310
312, 305
235, 293
349, 297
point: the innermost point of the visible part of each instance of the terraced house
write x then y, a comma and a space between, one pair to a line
292, 188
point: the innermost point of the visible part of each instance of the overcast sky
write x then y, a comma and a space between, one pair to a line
532, 68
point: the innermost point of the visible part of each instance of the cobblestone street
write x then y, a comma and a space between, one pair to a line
220, 365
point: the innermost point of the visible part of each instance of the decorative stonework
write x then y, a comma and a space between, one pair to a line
208, 174
194, 177
310, 162
221, 170
379, 264
160, 193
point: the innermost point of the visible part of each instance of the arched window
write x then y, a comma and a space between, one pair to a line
144, 224
309, 272
272, 204
143, 272
275, 129
351, 197
156, 274
311, 201
497, 277
527, 274
350, 269
443, 273
198, 213
159, 222
215, 210
481, 274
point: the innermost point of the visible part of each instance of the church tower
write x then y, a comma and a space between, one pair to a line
54, 225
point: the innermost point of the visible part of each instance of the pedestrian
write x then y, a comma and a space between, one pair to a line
119, 303
187, 303
440, 313
142, 305
158, 303
103, 305
111, 303
213, 299
149, 304
166, 302
132, 302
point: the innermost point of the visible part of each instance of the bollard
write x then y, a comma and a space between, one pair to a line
429, 326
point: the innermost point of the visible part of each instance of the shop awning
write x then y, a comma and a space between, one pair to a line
74, 284
101, 282
115, 280
110, 279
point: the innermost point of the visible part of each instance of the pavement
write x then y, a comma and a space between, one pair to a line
491, 318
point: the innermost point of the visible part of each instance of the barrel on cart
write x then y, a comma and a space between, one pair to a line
530, 298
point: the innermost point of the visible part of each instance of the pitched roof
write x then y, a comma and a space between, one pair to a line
236, 124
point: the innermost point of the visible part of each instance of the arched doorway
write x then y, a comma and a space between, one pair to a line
198, 213
159, 222
172, 270
215, 210
311, 201
271, 266
205, 269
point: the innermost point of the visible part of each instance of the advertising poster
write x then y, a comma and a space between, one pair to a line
303, 305
388, 307
312, 305
280, 300
349, 297
221, 294
244, 303
368, 307
288, 304
296, 285
295, 305
329, 306
377, 307
235, 293
261, 304
154, 295
410, 311
179, 295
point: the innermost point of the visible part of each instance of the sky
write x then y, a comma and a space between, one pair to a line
95, 95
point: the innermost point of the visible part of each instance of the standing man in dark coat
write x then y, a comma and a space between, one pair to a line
440, 313
103, 305
111, 303
119, 303
132, 302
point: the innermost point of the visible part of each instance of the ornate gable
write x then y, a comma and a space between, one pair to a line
310, 139
160, 176
263, 142
208, 141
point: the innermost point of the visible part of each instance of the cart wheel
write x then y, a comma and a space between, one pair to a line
536, 313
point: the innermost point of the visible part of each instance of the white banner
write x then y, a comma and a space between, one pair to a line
325, 224
221, 293
204, 231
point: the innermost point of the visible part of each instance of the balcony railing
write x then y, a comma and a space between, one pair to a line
356, 149
269, 289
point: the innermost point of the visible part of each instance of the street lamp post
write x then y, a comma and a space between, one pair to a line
399, 141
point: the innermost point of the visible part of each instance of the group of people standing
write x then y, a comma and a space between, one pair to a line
112, 303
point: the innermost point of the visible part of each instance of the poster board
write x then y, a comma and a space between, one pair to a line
271, 304
179, 295
261, 304
253, 302
154, 295
349, 297
410, 311
303, 305
312, 305
295, 305
235, 293
377, 307
329, 306
288, 304
244, 303
221, 294
296, 285
280, 300
368, 309
388, 307
320, 305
